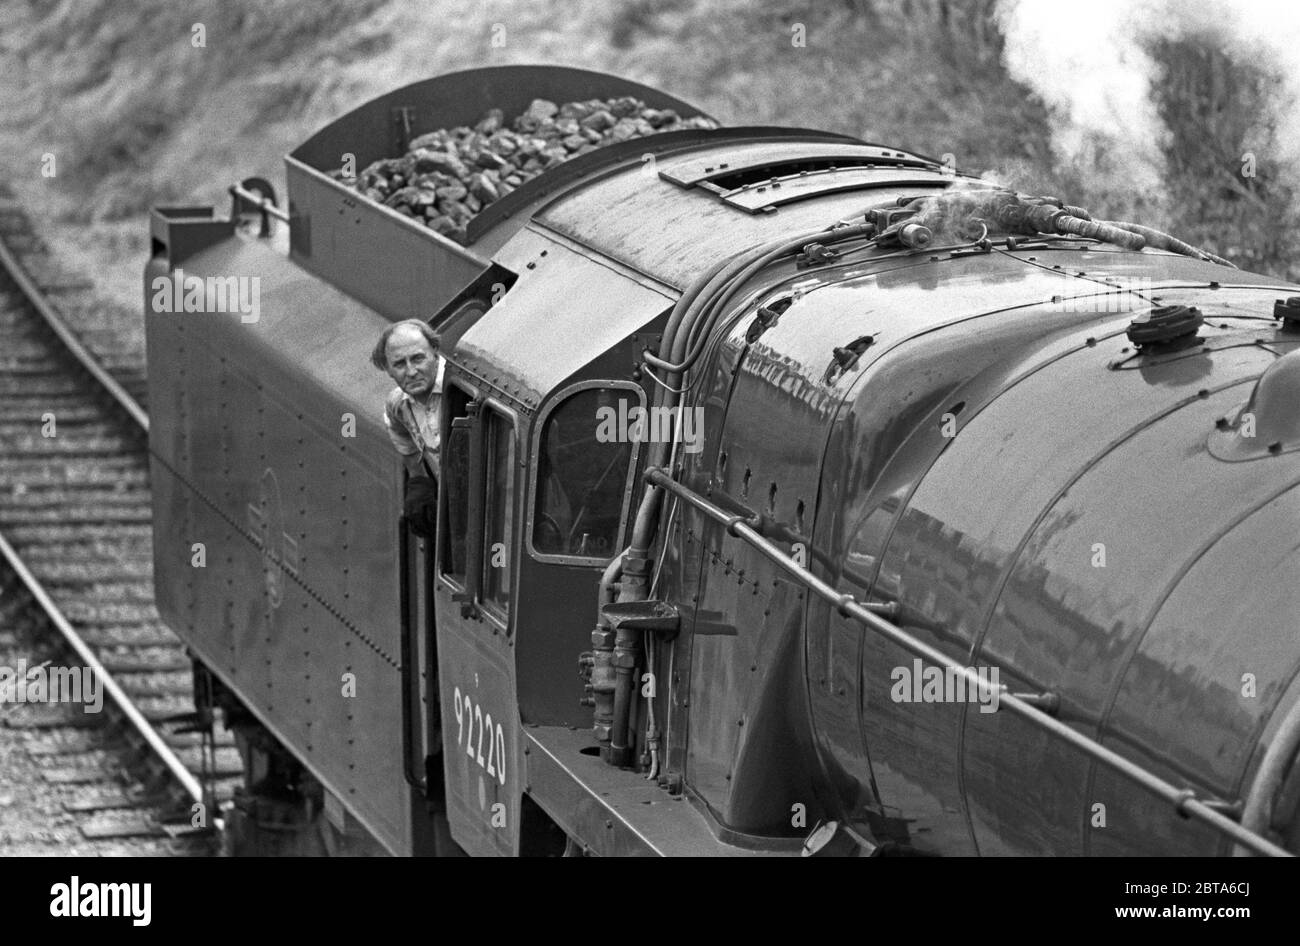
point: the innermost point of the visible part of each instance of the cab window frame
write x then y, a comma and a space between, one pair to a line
458, 583
488, 607
544, 417
462, 585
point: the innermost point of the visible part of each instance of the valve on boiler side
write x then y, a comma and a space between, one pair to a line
626, 659
1288, 311
815, 254
914, 236
1165, 328
613, 667
597, 668
610, 669
586, 663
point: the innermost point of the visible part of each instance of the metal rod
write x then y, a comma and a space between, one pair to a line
115, 692
1271, 774
260, 202
1183, 800
70, 340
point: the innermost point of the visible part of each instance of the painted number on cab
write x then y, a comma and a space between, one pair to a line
484, 743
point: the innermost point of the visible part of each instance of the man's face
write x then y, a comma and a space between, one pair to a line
412, 363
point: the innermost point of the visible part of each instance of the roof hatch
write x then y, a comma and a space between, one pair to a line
759, 180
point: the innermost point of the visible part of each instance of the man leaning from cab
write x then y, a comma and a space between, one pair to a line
408, 352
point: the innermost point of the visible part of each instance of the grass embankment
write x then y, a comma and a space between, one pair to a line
136, 115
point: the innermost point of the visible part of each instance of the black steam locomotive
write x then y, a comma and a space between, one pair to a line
799, 495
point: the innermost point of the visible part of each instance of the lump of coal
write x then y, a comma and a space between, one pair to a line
449, 175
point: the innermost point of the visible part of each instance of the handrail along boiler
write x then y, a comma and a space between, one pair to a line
810, 426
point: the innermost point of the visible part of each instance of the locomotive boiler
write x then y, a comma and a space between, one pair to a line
798, 495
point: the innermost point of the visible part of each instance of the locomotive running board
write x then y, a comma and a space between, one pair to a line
615, 812
1034, 708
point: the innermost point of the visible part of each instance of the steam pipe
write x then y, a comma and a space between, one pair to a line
1093, 230
610, 575
1164, 241
623, 661
1044, 218
706, 297
680, 308
619, 753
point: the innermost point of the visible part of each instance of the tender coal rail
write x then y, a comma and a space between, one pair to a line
76, 597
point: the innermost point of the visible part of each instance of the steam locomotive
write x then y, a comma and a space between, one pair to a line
799, 495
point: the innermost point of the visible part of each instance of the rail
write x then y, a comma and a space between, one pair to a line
132, 713
70, 341
86, 360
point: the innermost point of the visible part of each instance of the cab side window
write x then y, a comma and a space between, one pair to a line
478, 489
585, 458
455, 486
499, 452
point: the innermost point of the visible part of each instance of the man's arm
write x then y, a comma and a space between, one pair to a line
413, 465
420, 502
406, 448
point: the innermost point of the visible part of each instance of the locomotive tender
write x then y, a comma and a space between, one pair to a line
986, 542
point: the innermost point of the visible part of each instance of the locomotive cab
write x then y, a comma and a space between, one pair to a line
535, 503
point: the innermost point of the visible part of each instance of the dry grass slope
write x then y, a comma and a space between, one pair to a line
136, 115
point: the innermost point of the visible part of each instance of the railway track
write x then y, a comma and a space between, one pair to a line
76, 595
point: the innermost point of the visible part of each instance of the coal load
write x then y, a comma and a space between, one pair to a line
449, 175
